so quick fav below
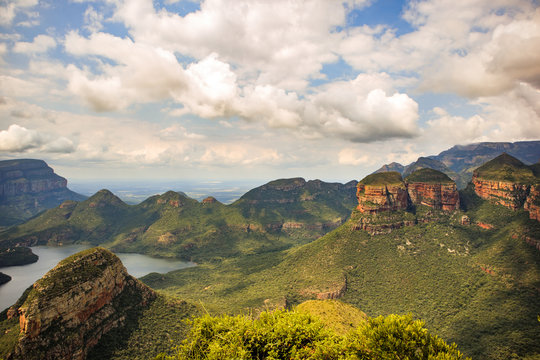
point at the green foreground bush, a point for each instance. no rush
(283, 334)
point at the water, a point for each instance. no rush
(23, 276)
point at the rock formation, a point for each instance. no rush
(385, 199)
(508, 182)
(382, 192)
(434, 189)
(75, 304)
(28, 187)
(532, 204)
(209, 200)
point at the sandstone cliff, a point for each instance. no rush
(382, 192)
(508, 182)
(75, 304)
(434, 189)
(28, 187)
(386, 202)
(532, 205)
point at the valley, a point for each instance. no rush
(466, 262)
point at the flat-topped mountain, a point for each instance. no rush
(28, 187)
(507, 181)
(387, 191)
(387, 202)
(68, 310)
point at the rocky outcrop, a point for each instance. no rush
(508, 182)
(434, 189)
(382, 192)
(28, 187)
(532, 204)
(386, 201)
(503, 193)
(75, 304)
(209, 200)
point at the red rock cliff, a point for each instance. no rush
(509, 194)
(74, 304)
(532, 205)
(435, 195)
(374, 199)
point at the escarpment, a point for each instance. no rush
(28, 187)
(508, 182)
(70, 308)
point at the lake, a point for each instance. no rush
(23, 276)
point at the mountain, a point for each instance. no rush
(507, 181)
(28, 187)
(473, 282)
(460, 161)
(89, 307)
(275, 216)
(68, 310)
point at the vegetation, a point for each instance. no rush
(334, 314)
(507, 168)
(272, 217)
(147, 332)
(4, 278)
(472, 286)
(15, 256)
(293, 334)
(428, 176)
(383, 178)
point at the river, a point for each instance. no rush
(23, 276)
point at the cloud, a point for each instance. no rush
(272, 42)
(349, 156)
(10, 8)
(237, 154)
(93, 20)
(41, 44)
(19, 139)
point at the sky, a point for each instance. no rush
(142, 90)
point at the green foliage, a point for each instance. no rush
(383, 178)
(428, 175)
(296, 335)
(507, 168)
(147, 332)
(335, 315)
(275, 216)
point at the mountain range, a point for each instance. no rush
(460, 161)
(466, 261)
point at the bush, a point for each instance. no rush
(285, 334)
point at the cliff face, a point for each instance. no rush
(374, 199)
(74, 304)
(28, 176)
(30, 186)
(509, 194)
(384, 199)
(435, 195)
(532, 205)
(507, 181)
(380, 193)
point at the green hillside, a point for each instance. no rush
(273, 217)
(507, 168)
(473, 286)
(382, 178)
(428, 175)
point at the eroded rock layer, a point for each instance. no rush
(75, 304)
